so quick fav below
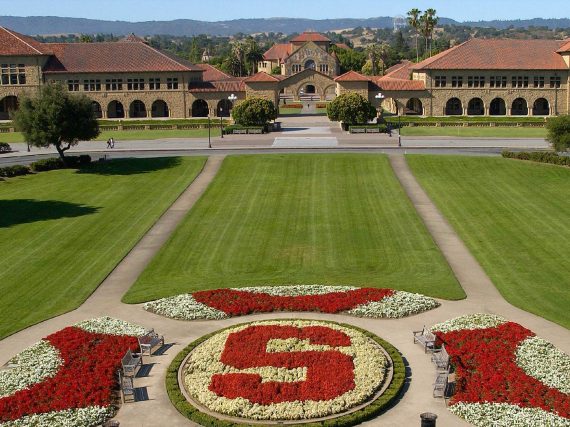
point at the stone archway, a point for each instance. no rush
(137, 110)
(498, 107)
(224, 108)
(160, 109)
(8, 105)
(541, 107)
(454, 107)
(519, 107)
(115, 110)
(310, 65)
(330, 93)
(476, 107)
(414, 107)
(97, 109)
(200, 108)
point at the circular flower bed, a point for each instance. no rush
(506, 376)
(286, 370)
(224, 303)
(68, 378)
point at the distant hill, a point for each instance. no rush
(47, 25)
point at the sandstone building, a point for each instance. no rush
(131, 79)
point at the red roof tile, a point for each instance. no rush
(13, 43)
(565, 47)
(342, 46)
(115, 57)
(393, 84)
(495, 54)
(261, 77)
(403, 70)
(132, 38)
(235, 85)
(352, 76)
(278, 52)
(211, 73)
(310, 36)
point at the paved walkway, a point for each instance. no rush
(482, 297)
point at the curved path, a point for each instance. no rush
(106, 301)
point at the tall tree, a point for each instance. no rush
(414, 22)
(253, 54)
(56, 118)
(373, 53)
(432, 20)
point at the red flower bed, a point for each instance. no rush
(486, 368)
(329, 373)
(238, 303)
(87, 377)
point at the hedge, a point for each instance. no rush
(55, 163)
(5, 147)
(374, 409)
(539, 156)
(16, 170)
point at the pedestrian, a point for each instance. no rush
(389, 130)
(112, 142)
(109, 143)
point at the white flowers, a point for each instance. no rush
(184, 307)
(505, 415)
(543, 361)
(31, 366)
(110, 326)
(399, 305)
(470, 322)
(82, 417)
(296, 290)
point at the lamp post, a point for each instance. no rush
(209, 131)
(380, 97)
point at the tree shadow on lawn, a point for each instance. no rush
(130, 166)
(24, 211)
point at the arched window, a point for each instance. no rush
(310, 65)
(541, 107)
(97, 109)
(520, 107)
(224, 108)
(200, 108)
(476, 107)
(159, 109)
(137, 110)
(8, 105)
(115, 110)
(454, 107)
(498, 107)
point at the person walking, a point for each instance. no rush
(389, 130)
(112, 142)
(109, 145)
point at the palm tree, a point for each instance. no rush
(253, 54)
(414, 22)
(384, 54)
(432, 20)
(425, 29)
(373, 54)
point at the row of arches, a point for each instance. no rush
(200, 108)
(497, 107)
(137, 110)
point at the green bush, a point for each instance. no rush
(351, 109)
(12, 171)
(559, 132)
(374, 409)
(45, 165)
(5, 147)
(538, 156)
(254, 112)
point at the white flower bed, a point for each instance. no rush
(296, 290)
(505, 415)
(83, 417)
(110, 326)
(184, 307)
(470, 322)
(543, 361)
(370, 365)
(399, 305)
(31, 366)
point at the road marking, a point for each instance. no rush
(305, 142)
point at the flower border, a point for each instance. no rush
(375, 408)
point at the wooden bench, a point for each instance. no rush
(255, 131)
(130, 363)
(426, 338)
(440, 385)
(441, 359)
(240, 131)
(150, 340)
(127, 388)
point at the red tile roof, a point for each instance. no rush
(14, 44)
(235, 85)
(495, 54)
(278, 52)
(565, 47)
(212, 74)
(342, 46)
(403, 70)
(113, 57)
(352, 76)
(132, 38)
(261, 77)
(310, 36)
(393, 84)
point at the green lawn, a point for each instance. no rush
(483, 132)
(129, 135)
(514, 216)
(62, 232)
(300, 219)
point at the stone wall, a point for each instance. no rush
(323, 84)
(267, 90)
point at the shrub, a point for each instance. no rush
(47, 164)
(559, 132)
(16, 170)
(5, 147)
(351, 109)
(254, 112)
(539, 156)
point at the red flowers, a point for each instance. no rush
(329, 373)
(87, 377)
(486, 368)
(235, 303)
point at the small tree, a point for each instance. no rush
(351, 109)
(254, 112)
(559, 132)
(55, 117)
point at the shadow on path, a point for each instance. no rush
(24, 211)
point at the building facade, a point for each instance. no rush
(130, 79)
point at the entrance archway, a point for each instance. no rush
(541, 107)
(475, 107)
(330, 93)
(137, 110)
(453, 107)
(414, 107)
(97, 109)
(115, 110)
(310, 65)
(520, 107)
(159, 109)
(200, 108)
(498, 107)
(224, 108)
(8, 105)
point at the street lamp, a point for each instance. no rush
(209, 131)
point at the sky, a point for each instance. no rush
(219, 10)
